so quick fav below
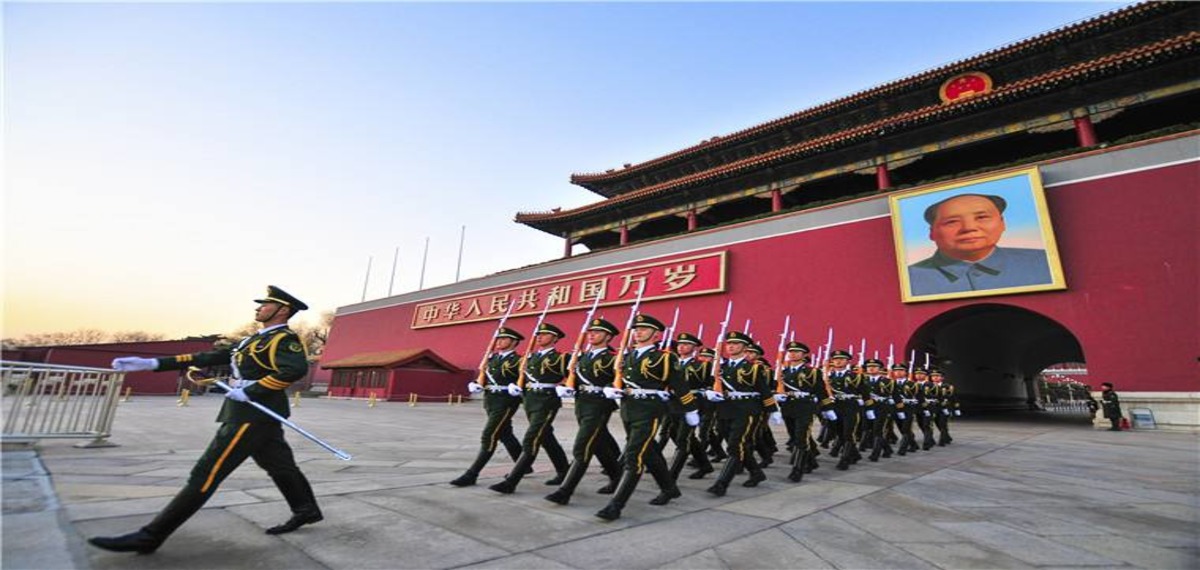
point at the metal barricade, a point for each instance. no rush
(46, 401)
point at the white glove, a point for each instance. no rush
(945, 411)
(775, 418)
(958, 412)
(781, 398)
(613, 393)
(900, 415)
(870, 414)
(664, 396)
(514, 390)
(692, 418)
(474, 387)
(564, 391)
(237, 395)
(714, 396)
(830, 415)
(860, 402)
(926, 412)
(134, 364)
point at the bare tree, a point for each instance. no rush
(135, 336)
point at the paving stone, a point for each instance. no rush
(792, 502)
(1024, 546)
(1135, 552)
(703, 560)
(962, 555)
(517, 562)
(887, 524)
(768, 549)
(845, 546)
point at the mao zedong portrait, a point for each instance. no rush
(967, 229)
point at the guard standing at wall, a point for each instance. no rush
(264, 364)
(1112, 405)
(847, 388)
(800, 392)
(648, 378)
(544, 368)
(594, 371)
(500, 370)
(746, 391)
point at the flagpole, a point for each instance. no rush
(462, 237)
(367, 278)
(395, 258)
(424, 258)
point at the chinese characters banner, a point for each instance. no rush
(681, 277)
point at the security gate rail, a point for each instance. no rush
(44, 401)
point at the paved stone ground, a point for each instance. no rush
(1011, 492)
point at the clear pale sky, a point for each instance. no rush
(164, 162)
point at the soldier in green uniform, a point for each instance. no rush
(905, 396)
(648, 378)
(880, 405)
(541, 371)
(847, 389)
(947, 406)
(707, 434)
(1112, 405)
(800, 393)
(746, 391)
(500, 370)
(931, 406)
(593, 372)
(264, 365)
(764, 438)
(698, 377)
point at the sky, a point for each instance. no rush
(164, 162)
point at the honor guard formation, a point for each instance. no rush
(715, 405)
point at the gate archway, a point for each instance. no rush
(992, 352)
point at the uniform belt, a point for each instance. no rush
(799, 394)
(742, 395)
(910, 400)
(539, 386)
(591, 390)
(496, 388)
(846, 396)
(641, 394)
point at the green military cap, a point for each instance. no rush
(277, 295)
(687, 338)
(797, 346)
(506, 332)
(603, 326)
(839, 354)
(549, 328)
(755, 347)
(920, 370)
(737, 336)
(706, 351)
(935, 371)
(873, 362)
(644, 320)
(900, 366)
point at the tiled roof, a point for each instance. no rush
(985, 59)
(389, 359)
(1052, 80)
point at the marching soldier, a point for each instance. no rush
(764, 438)
(649, 378)
(947, 405)
(500, 371)
(930, 395)
(1112, 405)
(879, 409)
(707, 433)
(543, 369)
(905, 396)
(800, 393)
(594, 371)
(847, 389)
(697, 374)
(746, 391)
(264, 364)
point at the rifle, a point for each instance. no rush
(619, 362)
(891, 355)
(828, 351)
(912, 357)
(579, 344)
(718, 347)
(700, 333)
(779, 355)
(670, 332)
(746, 329)
(862, 351)
(529, 349)
(491, 344)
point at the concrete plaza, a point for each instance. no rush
(1011, 492)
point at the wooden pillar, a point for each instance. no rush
(691, 219)
(624, 234)
(1085, 131)
(881, 177)
(567, 243)
(776, 200)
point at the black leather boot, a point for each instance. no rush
(756, 475)
(666, 483)
(299, 496)
(150, 537)
(629, 481)
(726, 476)
(558, 457)
(141, 542)
(308, 516)
(468, 478)
(563, 494)
(510, 482)
(799, 461)
(877, 448)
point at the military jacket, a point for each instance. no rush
(594, 371)
(696, 380)
(549, 367)
(501, 370)
(906, 390)
(930, 395)
(273, 359)
(653, 370)
(949, 398)
(803, 379)
(745, 377)
(1112, 404)
(849, 386)
(882, 391)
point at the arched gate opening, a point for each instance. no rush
(992, 353)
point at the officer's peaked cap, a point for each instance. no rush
(644, 320)
(687, 338)
(506, 332)
(839, 354)
(277, 295)
(797, 346)
(738, 336)
(602, 326)
(549, 328)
